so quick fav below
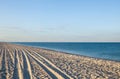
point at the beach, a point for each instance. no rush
(25, 62)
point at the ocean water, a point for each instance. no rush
(110, 51)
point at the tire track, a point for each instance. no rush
(27, 66)
(10, 51)
(38, 70)
(6, 63)
(1, 56)
(1, 66)
(51, 65)
(52, 73)
(10, 64)
(3, 69)
(17, 70)
(17, 59)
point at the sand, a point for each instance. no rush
(24, 62)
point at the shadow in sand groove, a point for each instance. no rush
(26, 73)
(3, 65)
(15, 73)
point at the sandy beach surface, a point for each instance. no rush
(24, 62)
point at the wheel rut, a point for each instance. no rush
(27, 66)
(17, 62)
(48, 65)
(17, 70)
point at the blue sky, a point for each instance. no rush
(60, 20)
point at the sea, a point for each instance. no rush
(104, 50)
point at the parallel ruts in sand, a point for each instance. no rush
(18, 62)
(17, 70)
(51, 67)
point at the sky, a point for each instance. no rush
(60, 20)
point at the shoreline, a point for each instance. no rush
(66, 52)
(45, 63)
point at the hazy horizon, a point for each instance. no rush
(60, 21)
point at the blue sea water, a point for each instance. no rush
(110, 51)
